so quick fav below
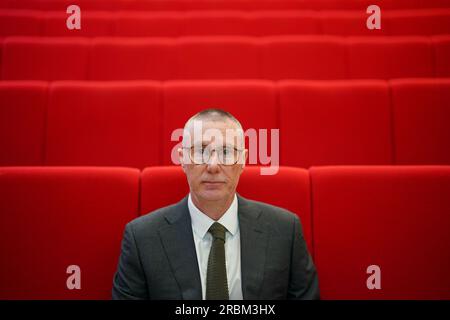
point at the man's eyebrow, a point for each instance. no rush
(204, 144)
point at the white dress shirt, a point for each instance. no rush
(203, 240)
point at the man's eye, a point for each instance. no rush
(227, 151)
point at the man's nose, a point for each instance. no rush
(213, 162)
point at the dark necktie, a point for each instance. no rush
(216, 276)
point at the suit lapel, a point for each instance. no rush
(254, 243)
(178, 242)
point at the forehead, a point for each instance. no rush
(224, 131)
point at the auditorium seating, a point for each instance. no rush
(22, 123)
(44, 59)
(218, 22)
(134, 123)
(421, 112)
(335, 123)
(91, 120)
(392, 217)
(169, 5)
(304, 58)
(53, 218)
(103, 124)
(190, 58)
(388, 58)
(442, 52)
(139, 59)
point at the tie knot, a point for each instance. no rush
(217, 231)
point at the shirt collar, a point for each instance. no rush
(201, 222)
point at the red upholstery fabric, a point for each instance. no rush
(132, 59)
(334, 122)
(182, 99)
(163, 24)
(216, 23)
(303, 58)
(224, 22)
(393, 217)
(442, 54)
(96, 24)
(71, 216)
(385, 58)
(351, 23)
(421, 113)
(224, 57)
(419, 22)
(44, 59)
(212, 58)
(283, 23)
(22, 122)
(19, 23)
(155, 5)
(162, 186)
(104, 124)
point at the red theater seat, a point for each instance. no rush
(334, 122)
(217, 58)
(385, 58)
(421, 121)
(22, 122)
(273, 23)
(162, 186)
(107, 124)
(349, 23)
(162, 5)
(182, 99)
(19, 23)
(93, 24)
(133, 59)
(71, 216)
(419, 22)
(442, 54)
(49, 59)
(154, 24)
(390, 216)
(303, 58)
(210, 23)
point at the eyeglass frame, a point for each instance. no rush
(214, 149)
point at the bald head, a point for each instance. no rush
(213, 122)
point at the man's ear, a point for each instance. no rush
(244, 156)
(181, 158)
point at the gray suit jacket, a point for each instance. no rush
(159, 261)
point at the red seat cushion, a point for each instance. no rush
(441, 53)
(27, 58)
(107, 124)
(217, 58)
(421, 115)
(386, 58)
(71, 216)
(303, 58)
(133, 59)
(393, 217)
(20, 23)
(23, 107)
(335, 122)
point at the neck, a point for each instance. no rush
(214, 209)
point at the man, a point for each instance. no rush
(214, 244)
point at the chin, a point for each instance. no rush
(213, 195)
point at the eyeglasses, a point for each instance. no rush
(202, 154)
